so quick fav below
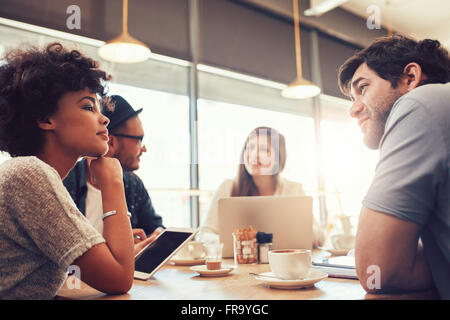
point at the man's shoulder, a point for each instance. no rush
(429, 90)
(131, 179)
(430, 96)
(76, 176)
(425, 109)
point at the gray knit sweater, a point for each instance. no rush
(41, 230)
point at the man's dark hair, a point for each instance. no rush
(388, 56)
(32, 81)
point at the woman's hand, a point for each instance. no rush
(106, 171)
(142, 243)
(139, 235)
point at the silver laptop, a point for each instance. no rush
(288, 218)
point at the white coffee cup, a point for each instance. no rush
(191, 251)
(343, 241)
(290, 264)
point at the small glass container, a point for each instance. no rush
(245, 249)
(264, 246)
(213, 256)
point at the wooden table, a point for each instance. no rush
(180, 283)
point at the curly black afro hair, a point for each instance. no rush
(32, 81)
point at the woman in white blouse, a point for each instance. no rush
(263, 158)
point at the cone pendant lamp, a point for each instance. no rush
(124, 48)
(300, 88)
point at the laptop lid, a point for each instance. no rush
(288, 218)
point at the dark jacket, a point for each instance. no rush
(143, 215)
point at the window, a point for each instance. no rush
(348, 165)
(164, 168)
(222, 130)
(230, 105)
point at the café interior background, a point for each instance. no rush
(216, 72)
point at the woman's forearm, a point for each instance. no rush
(117, 228)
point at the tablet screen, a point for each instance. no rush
(159, 250)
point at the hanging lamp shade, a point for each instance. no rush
(124, 48)
(300, 88)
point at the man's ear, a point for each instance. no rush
(113, 144)
(413, 75)
(46, 124)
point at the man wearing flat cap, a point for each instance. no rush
(125, 144)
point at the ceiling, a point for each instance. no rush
(417, 18)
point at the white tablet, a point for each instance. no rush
(152, 257)
(338, 267)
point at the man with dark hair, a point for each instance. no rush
(401, 99)
(125, 144)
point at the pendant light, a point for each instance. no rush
(124, 48)
(300, 88)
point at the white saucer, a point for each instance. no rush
(313, 277)
(188, 262)
(337, 252)
(211, 273)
